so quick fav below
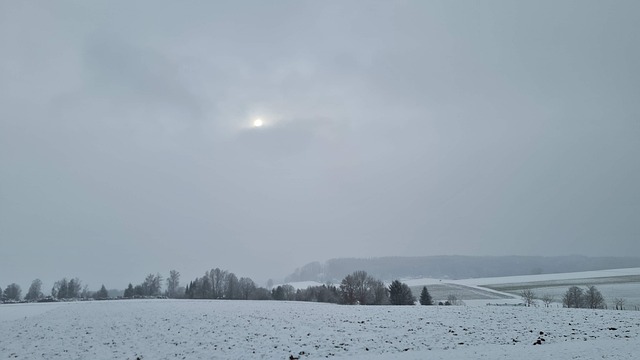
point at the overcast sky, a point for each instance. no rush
(390, 128)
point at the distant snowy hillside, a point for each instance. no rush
(456, 267)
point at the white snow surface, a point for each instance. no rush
(478, 282)
(19, 311)
(527, 278)
(214, 329)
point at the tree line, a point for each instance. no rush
(575, 297)
(356, 288)
(456, 267)
(63, 289)
(222, 284)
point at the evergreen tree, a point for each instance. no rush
(400, 294)
(193, 289)
(13, 292)
(205, 288)
(128, 292)
(73, 288)
(277, 293)
(425, 297)
(102, 293)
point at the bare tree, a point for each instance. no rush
(593, 298)
(232, 290)
(246, 287)
(260, 293)
(205, 286)
(380, 293)
(360, 281)
(152, 285)
(35, 291)
(528, 296)
(218, 282)
(173, 282)
(348, 292)
(157, 284)
(619, 303)
(60, 289)
(547, 300)
(452, 300)
(85, 292)
(573, 298)
(289, 292)
(360, 288)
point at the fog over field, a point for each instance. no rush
(257, 137)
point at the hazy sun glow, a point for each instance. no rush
(258, 123)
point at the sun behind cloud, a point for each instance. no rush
(258, 123)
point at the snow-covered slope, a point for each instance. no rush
(553, 277)
(528, 278)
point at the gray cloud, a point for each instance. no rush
(404, 128)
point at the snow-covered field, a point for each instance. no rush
(183, 329)
(614, 283)
(20, 311)
(610, 273)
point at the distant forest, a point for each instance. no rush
(456, 267)
(356, 288)
(368, 274)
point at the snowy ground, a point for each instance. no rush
(21, 311)
(183, 329)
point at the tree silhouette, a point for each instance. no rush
(425, 297)
(400, 294)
